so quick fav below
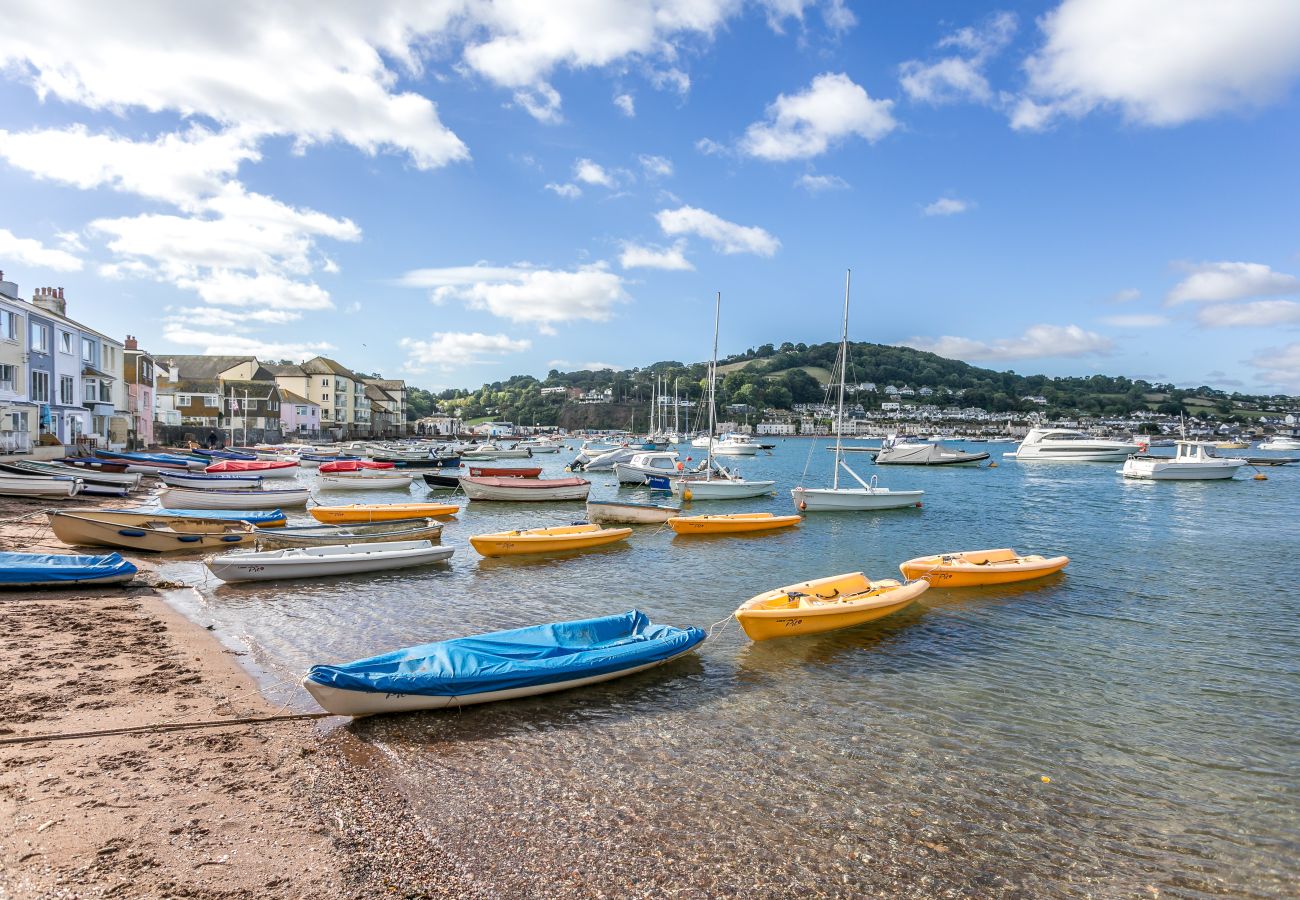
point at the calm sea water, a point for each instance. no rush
(1155, 683)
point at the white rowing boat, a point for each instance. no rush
(374, 480)
(339, 559)
(186, 498)
(40, 486)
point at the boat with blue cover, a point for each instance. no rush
(265, 518)
(502, 665)
(153, 462)
(29, 570)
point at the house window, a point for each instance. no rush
(183, 399)
(8, 378)
(89, 389)
(300, 410)
(110, 359)
(87, 350)
(105, 392)
(324, 398)
(324, 382)
(41, 387)
(67, 390)
(9, 326)
(41, 342)
(65, 341)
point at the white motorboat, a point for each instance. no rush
(735, 445)
(187, 498)
(339, 559)
(211, 482)
(492, 451)
(606, 461)
(1281, 442)
(51, 486)
(894, 453)
(1068, 445)
(1192, 461)
(365, 480)
(869, 495)
(618, 513)
(635, 470)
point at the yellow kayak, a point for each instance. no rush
(381, 512)
(734, 523)
(826, 604)
(975, 567)
(546, 540)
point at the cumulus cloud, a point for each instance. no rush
(961, 76)
(833, 108)
(710, 147)
(727, 237)
(1220, 281)
(1160, 62)
(541, 297)
(1038, 341)
(542, 102)
(34, 253)
(588, 172)
(449, 350)
(635, 256)
(946, 206)
(178, 332)
(656, 166)
(1256, 314)
(1137, 320)
(816, 184)
(626, 104)
(567, 191)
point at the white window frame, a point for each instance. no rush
(43, 344)
(65, 342)
(9, 383)
(71, 384)
(87, 349)
(8, 325)
(36, 376)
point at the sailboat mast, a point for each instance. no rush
(713, 380)
(844, 364)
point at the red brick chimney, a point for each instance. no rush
(131, 343)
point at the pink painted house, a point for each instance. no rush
(298, 415)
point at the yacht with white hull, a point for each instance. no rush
(1192, 461)
(1068, 445)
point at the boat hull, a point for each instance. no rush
(853, 499)
(387, 512)
(1156, 470)
(328, 535)
(965, 569)
(52, 570)
(210, 482)
(49, 487)
(302, 564)
(606, 512)
(184, 498)
(88, 531)
(878, 599)
(721, 489)
(735, 524)
(535, 490)
(546, 540)
(359, 482)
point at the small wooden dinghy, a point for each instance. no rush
(265, 468)
(502, 665)
(824, 604)
(504, 472)
(350, 465)
(325, 535)
(616, 512)
(971, 568)
(337, 559)
(547, 540)
(381, 512)
(149, 463)
(188, 498)
(525, 489)
(31, 570)
(93, 481)
(181, 519)
(438, 480)
(363, 481)
(733, 523)
(211, 482)
(53, 487)
(95, 529)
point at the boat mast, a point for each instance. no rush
(844, 364)
(677, 429)
(713, 380)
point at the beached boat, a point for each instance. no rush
(363, 481)
(326, 535)
(502, 665)
(315, 562)
(824, 604)
(381, 512)
(24, 469)
(970, 568)
(150, 463)
(198, 482)
(353, 465)
(505, 472)
(126, 481)
(618, 512)
(265, 468)
(50, 487)
(92, 529)
(732, 523)
(547, 540)
(525, 489)
(54, 570)
(94, 464)
(187, 519)
(187, 498)
(1192, 461)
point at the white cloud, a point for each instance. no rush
(674, 79)
(635, 256)
(588, 172)
(585, 366)
(216, 317)
(1256, 314)
(34, 253)
(177, 168)
(311, 72)
(960, 77)
(1038, 341)
(1160, 62)
(656, 166)
(804, 125)
(567, 191)
(222, 287)
(449, 350)
(177, 332)
(1137, 320)
(946, 206)
(1219, 281)
(542, 102)
(626, 104)
(710, 147)
(1127, 295)
(727, 237)
(542, 297)
(815, 184)
(1279, 366)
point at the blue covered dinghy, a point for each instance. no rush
(263, 518)
(499, 666)
(28, 570)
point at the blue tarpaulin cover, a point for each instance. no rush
(256, 516)
(57, 568)
(504, 660)
(146, 457)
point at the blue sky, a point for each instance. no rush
(455, 192)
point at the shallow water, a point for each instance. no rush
(1155, 683)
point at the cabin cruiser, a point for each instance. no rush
(635, 470)
(1066, 444)
(1192, 461)
(1281, 442)
(897, 453)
